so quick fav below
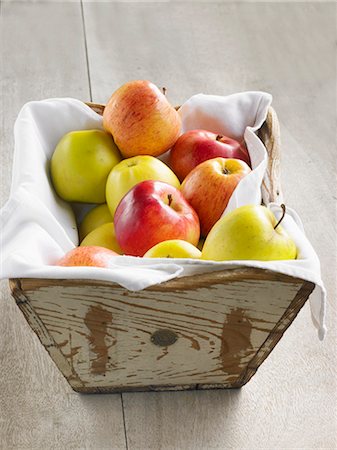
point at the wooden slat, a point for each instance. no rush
(203, 280)
(42, 56)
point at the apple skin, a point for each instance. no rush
(174, 248)
(248, 233)
(132, 171)
(93, 219)
(103, 236)
(141, 120)
(81, 163)
(196, 146)
(87, 256)
(152, 212)
(209, 187)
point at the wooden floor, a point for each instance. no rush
(60, 49)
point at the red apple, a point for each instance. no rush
(209, 187)
(87, 256)
(197, 146)
(141, 120)
(152, 212)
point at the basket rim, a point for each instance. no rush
(188, 282)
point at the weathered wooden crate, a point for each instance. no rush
(209, 331)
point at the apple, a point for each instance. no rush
(209, 187)
(174, 248)
(93, 219)
(87, 256)
(152, 212)
(131, 171)
(81, 163)
(249, 232)
(141, 120)
(197, 146)
(103, 236)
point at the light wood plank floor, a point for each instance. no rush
(87, 50)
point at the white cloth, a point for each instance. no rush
(37, 228)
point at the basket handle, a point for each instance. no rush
(269, 133)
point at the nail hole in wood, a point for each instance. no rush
(164, 338)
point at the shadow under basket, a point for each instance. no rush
(198, 332)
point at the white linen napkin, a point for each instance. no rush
(37, 227)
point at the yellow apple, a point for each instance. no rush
(249, 232)
(81, 163)
(103, 236)
(94, 218)
(132, 171)
(175, 248)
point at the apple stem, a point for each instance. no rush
(219, 136)
(164, 90)
(169, 197)
(283, 206)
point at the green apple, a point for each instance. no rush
(132, 171)
(174, 248)
(249, 232)
(103, 236)
(94, 218)
(81, 163)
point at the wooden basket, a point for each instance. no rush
(209, 331)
